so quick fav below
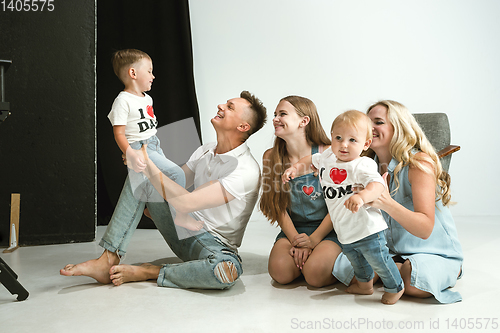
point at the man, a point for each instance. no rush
(226, 179)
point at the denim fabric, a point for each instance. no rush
(170, 169)
(441, 252)
(200, 250)
(436, 261)
(371, 254)
(307, 201)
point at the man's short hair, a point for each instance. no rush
(124, 59)
(259, 112)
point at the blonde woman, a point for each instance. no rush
(306, 245)
(421, 232)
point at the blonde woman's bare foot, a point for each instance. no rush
(120, 274)
(97, 269)
(392, 298)
(188, 222)
(361, 288)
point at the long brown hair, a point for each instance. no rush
(275, 197)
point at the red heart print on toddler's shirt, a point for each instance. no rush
(150, 111)
(338, 175)
(308, 189)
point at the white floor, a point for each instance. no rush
(254, 304)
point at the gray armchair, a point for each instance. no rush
(437, 129)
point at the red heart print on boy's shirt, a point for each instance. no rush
(338, 175)
(307, 189)
(150, 111)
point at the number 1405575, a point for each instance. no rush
(27, 5)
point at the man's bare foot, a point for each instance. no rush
(120, 274)
(361, 288)
(392, 298)
(97, 269)
(188, 222)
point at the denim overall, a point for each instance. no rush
(308, 208)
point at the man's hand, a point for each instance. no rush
(135, 160)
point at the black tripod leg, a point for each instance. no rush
(9, 279)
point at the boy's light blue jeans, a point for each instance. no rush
(372, 254)
(140, 182)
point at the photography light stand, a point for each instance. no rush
(7, 276)
(4, 106)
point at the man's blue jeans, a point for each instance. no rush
(208, 263)
(372, 254)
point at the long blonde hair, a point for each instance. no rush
(408, 135)
(275, 197)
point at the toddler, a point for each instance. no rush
(360, 228)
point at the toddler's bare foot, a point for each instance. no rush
(392, 298)
(361, 288)
(97, 269)
(188, 222)
(120, 274)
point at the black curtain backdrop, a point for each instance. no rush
(47, 145)
(161, 29)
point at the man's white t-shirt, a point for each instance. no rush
(136, 113)
(239, 174)
(337, 180)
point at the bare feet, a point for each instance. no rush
(97, 269)
(361, 288)
(392, 298)
(120, 274)
(188, 222)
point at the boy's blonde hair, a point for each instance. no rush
(124, 59)
(356, 119)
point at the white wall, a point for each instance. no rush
(432, 56)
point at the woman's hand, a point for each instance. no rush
(300, 255)
(385, 199)
(303, 240)
(302, 247)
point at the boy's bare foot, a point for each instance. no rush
(120, 274)
(188, 222)
(392, 298)
(361, 288)
(97, 269)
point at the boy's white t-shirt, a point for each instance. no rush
(337, 180)
(136, 113)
